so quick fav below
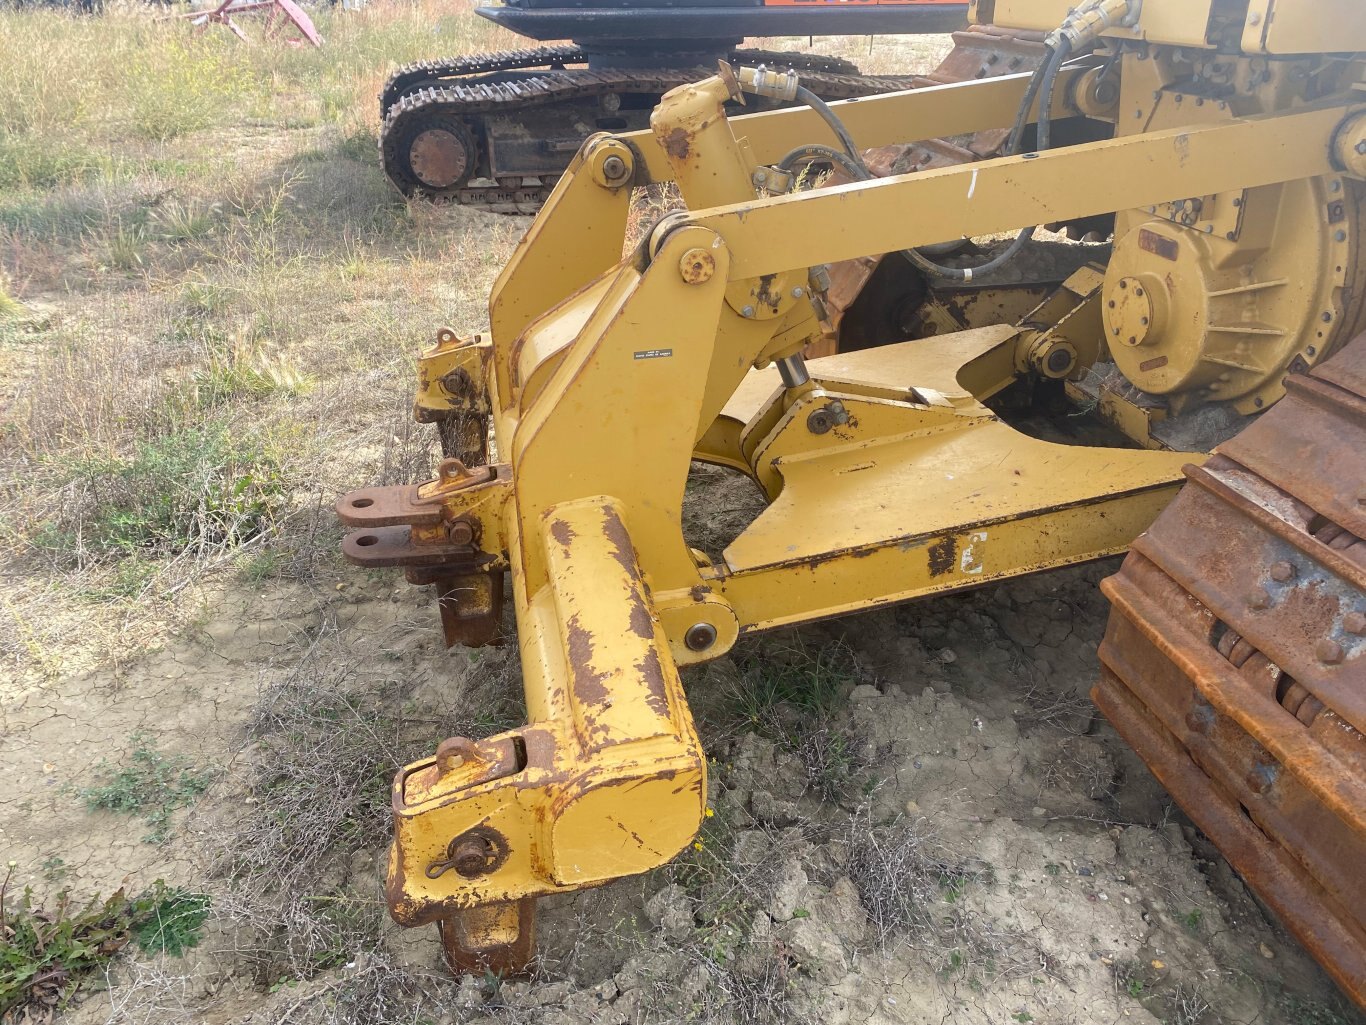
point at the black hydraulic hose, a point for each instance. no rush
(836, 125)
(1016, 139)
(1042, 86)
(1052, 66)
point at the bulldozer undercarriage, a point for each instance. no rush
(1220, 316)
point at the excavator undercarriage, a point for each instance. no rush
(1222, 160)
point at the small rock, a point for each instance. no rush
(843, 909)
(605, 991)
(1267, 952)
(816, 949)
(864, 692)
(947, 656)
(1038, 812)
(767, 808)
(1083, 871)
(787, 890)
(470, 993)
(550, 994)
(671, 910)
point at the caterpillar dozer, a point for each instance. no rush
(1219, 337)
(497, 129)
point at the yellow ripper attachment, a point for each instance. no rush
(888, 476)
(610, 778)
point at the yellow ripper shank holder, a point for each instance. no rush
(887, 476)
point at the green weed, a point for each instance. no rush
(10, 307)
(175, 923)
(126, 248)
(194, 489)
(151, 787)
(184, 221)
(809, 683)
(29, 163)
(237, 368)
(186, 85)
(128, 579)
(54, 868)
(47, 952)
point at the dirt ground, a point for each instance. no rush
(952, 835)
(916, 816)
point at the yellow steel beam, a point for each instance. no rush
(577, 236)
(933, 112)
(778, 234)
(1305, 26)
(916, 564)
(920, 494)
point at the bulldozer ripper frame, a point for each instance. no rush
(888, 476)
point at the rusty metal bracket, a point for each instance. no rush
(447, 533)
(451, 376)
(607, 779)
(452, 393)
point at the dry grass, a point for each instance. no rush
(197, 244)
(319, 753)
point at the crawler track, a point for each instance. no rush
(1235, 660)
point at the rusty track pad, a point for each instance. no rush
(1235, 658)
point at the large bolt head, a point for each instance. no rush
(1282, 572)
(819, 422)
(460, 532)
(614, 168)
(697, 266)
(471, 857)
(1330, 652)
(700, 637)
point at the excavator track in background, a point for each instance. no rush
(1234, 659)
(412, 77)
(514, 119)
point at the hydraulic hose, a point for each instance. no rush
(1042, 83)
(1051, 66)
(836, 125)
(1042, 89)
(1042, 86)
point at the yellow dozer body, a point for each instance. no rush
(1229, 146)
